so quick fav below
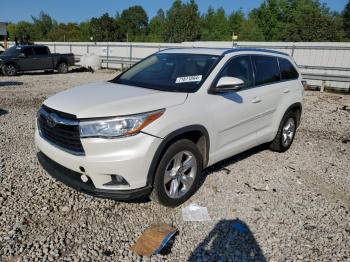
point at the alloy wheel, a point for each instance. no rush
(288, 132)
(179, 174)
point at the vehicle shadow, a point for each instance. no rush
(3, 112)
(221, 166)
(10, 83)
(230, 240)
(51, 72)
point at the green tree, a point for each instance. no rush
(104, 29)
(23, 31)
(84, 28)
(66, 32)
(133, 22)
(308, 20)
(214, 26)
(250, 31)
(235, 21)
(270, 18)
(43, 24)
(346, 19)
(182, 22)
(156, 27)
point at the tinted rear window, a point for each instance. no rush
(266, 70)
(288, 71)
(40, 50)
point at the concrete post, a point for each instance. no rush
(323, 85)
(130, 53)
(107, 54)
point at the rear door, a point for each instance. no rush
(43, 59)
(267, 95)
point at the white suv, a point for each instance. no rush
(154, 128)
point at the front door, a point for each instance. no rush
(26, 60)
(236, 122)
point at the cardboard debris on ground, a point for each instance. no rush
(153, 240)
(195, 212)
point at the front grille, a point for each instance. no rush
(59, 130)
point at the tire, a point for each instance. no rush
(184, 178)
(62, 68)
(286, 132)
(9, 70)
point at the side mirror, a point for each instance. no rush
(228, 83)
(21, 55)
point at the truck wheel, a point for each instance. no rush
(286, 133)
(10, 70)
(178, 174)
(62, 68)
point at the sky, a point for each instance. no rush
(81, 10)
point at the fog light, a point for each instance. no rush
(117, 180)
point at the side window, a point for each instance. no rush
(40, 50)
(239, 67)
(28, 51)
(288, 71)
(266, 70)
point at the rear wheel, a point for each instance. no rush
(286, 133)
(177, 174)
(62, 68)
(10, 70)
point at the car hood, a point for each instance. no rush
(105, 99)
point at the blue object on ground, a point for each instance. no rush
(239, 227)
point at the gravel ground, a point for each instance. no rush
(296, 205)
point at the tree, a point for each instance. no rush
(182, 22)
(133, 22)
(66, 32)
(156, 27)
(250, 31)
(23, 31)
(214, 26)
(346, 19)
(104, 29)
(43, 24)
(84, 28)
(235, 22)
(308, 20)
(270, 18)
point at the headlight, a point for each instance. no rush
(118, 126)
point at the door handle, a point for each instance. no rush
(256, 100)
(286, 91)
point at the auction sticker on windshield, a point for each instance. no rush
(187, 79)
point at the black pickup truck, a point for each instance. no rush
(23, 58)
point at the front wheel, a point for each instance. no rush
(10, 70)
(62, 68)
(286, 133)
(178, 174)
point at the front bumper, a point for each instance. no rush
(129, 157)
(72, 179)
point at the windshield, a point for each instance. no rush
(12, 51)
(170, 72)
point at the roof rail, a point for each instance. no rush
(240, 49)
